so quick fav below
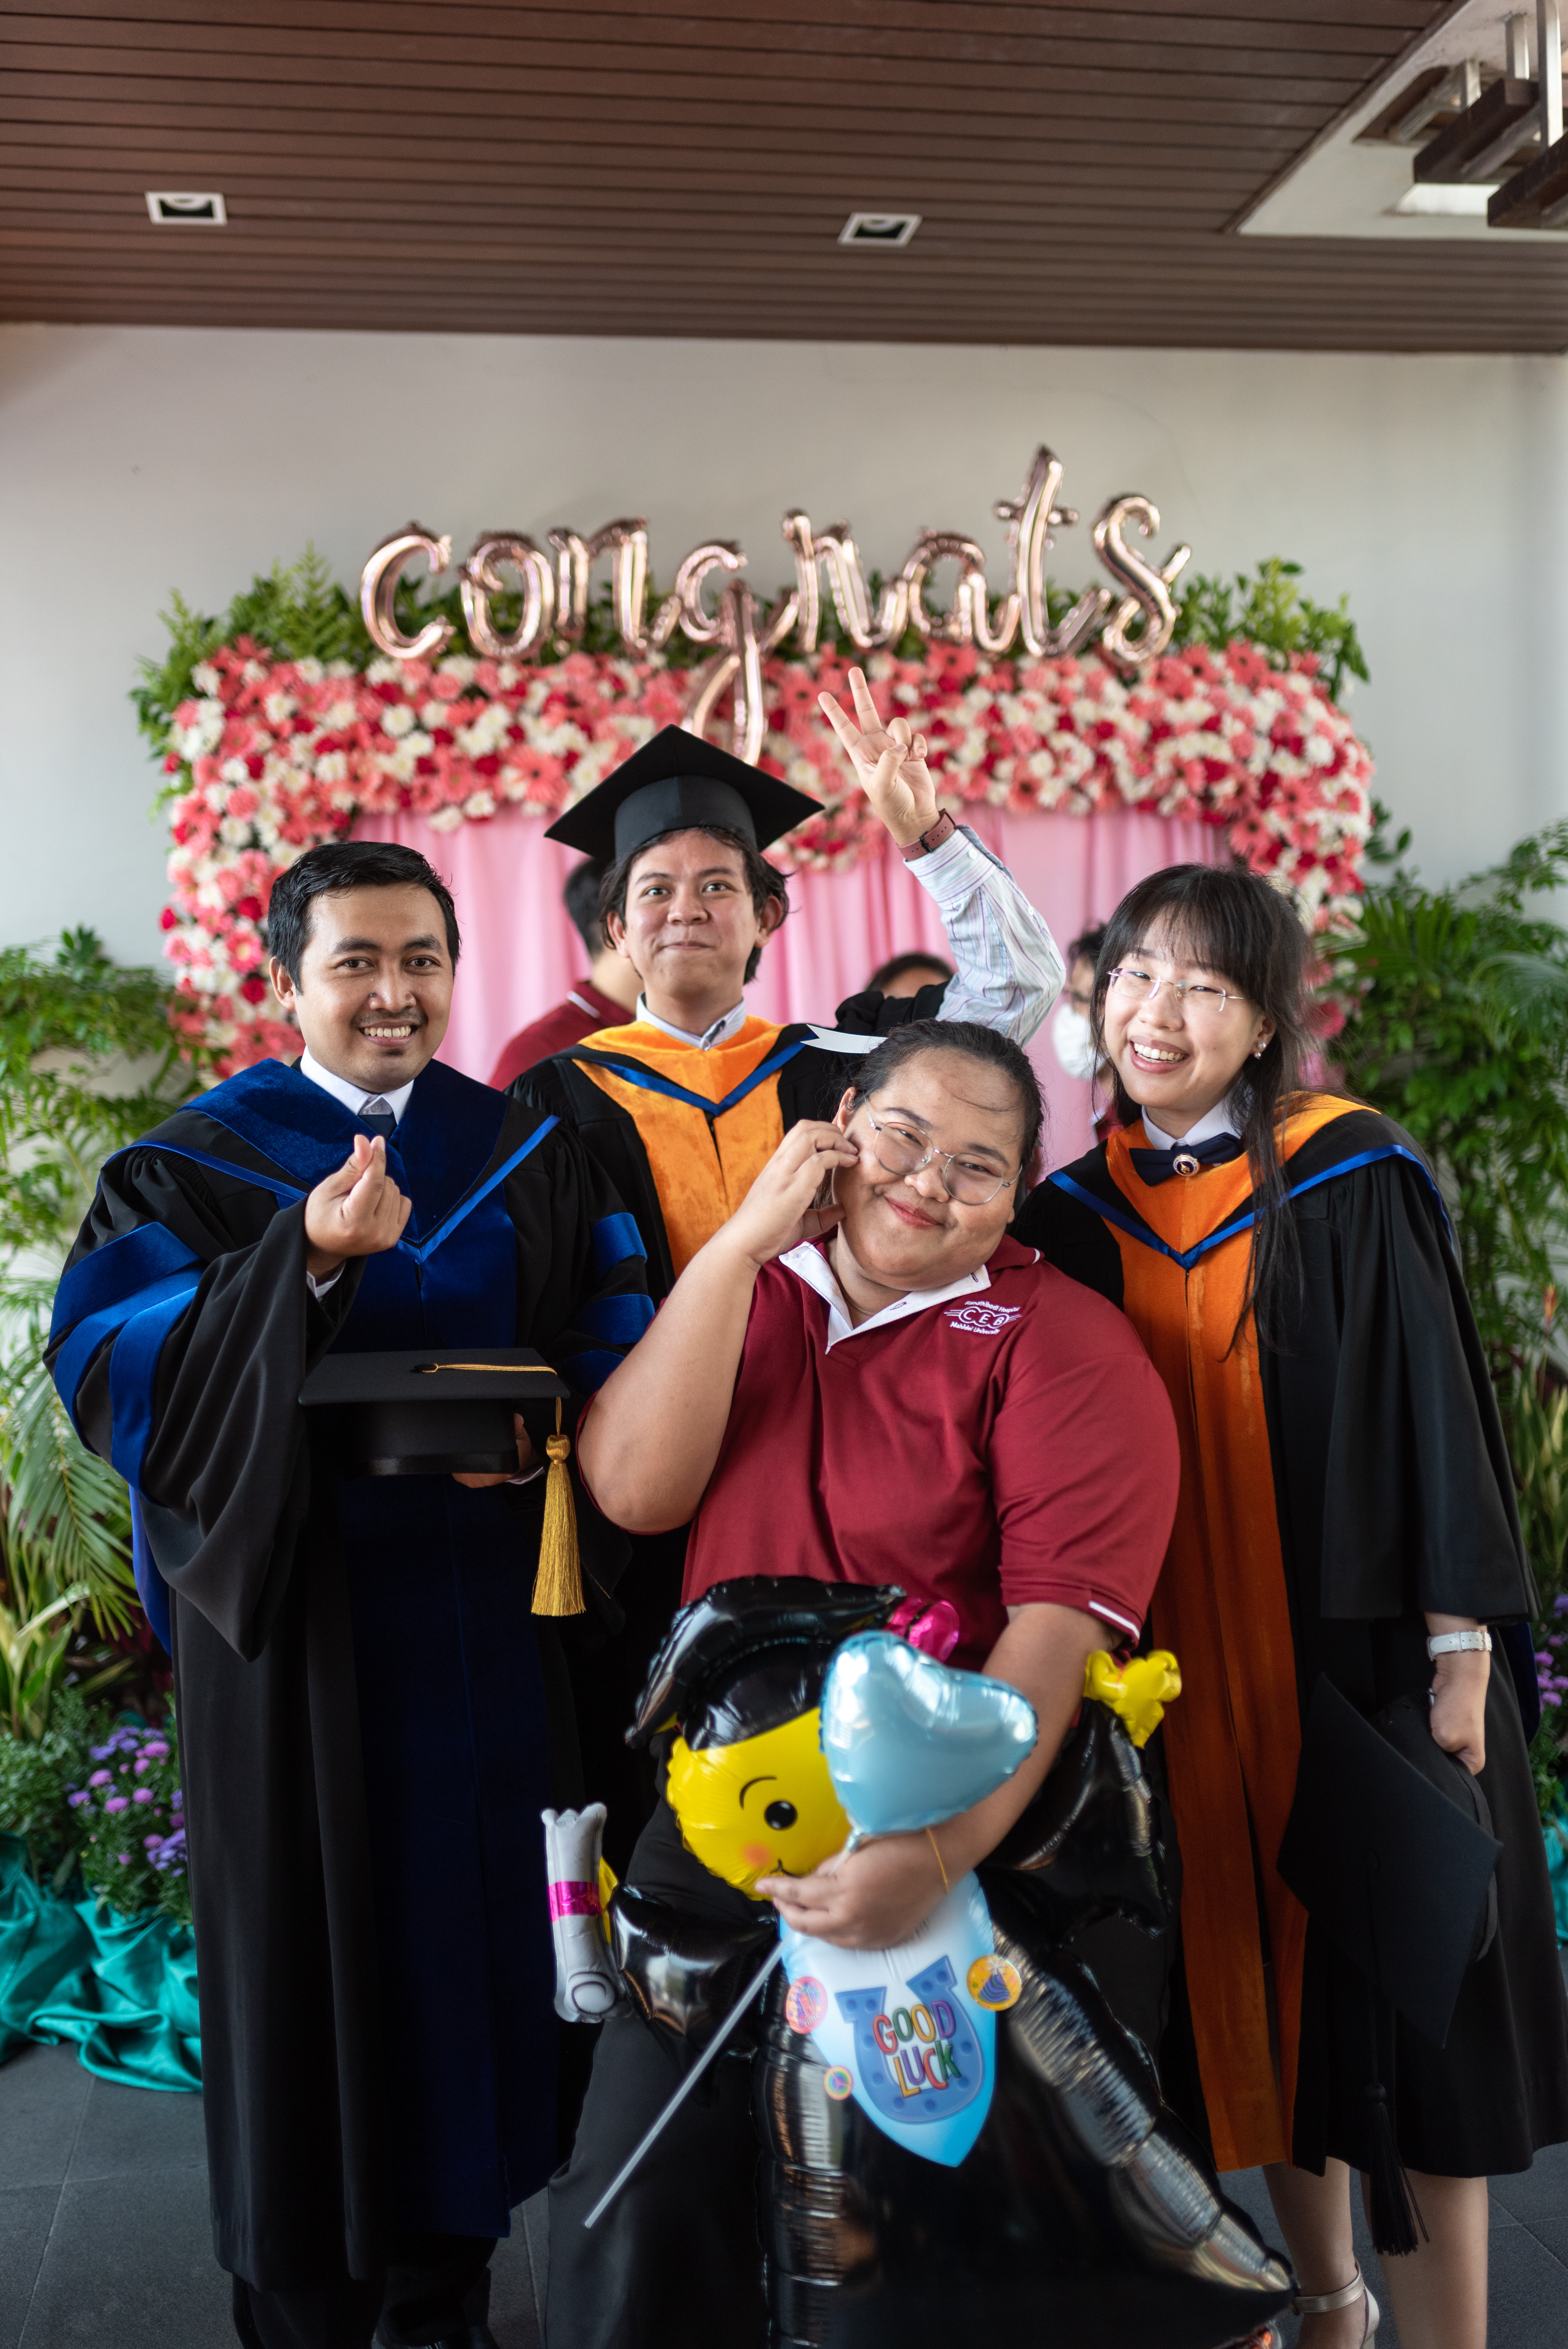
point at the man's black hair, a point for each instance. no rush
(580, 899)
(342, 864)
(1086, 948)
(900, 965)
(768, 886)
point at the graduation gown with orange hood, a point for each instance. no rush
(1335, 1488)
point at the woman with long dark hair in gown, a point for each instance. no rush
(1346, 1499)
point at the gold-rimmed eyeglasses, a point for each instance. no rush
(1128, 984)
(973, 1181)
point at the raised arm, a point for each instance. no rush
(1008, 970)
(650, 1443)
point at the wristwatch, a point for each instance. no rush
(943, 829)
(1457, 1643)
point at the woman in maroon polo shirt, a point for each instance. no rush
(861, 1378)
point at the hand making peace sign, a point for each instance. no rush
(889, 762)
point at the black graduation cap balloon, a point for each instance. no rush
(678, 783)
(426, 1413)
(751, 1653)
(1080, 2213)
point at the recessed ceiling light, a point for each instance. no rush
(203, 212)
(879, 228)
(1448, 200)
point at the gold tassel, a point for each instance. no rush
(558, 1585)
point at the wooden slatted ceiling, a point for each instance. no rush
(685, 167)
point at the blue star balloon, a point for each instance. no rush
(910, 1742)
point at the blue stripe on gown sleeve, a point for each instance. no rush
(620, 1320)
(131, 1261)
(151, 1587)
(133, 1371)
(615, 1238)
(89, 1334)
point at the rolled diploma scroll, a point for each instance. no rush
(586, 1985)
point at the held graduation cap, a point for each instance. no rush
(427, 1413)
(678, 782)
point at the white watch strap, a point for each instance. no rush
(1455, 1643)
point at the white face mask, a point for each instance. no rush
(1074, 1040)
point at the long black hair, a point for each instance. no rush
(1231, 920)
(975, 1043)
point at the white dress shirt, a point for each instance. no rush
(354, 1096)
(1219, 1119)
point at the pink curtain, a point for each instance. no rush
(520, 953)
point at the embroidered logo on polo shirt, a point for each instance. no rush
(986, 1320)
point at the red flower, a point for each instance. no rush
(255, 989)
(168, 919)
(254, 763)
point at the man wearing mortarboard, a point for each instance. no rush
(370, 1717)
(682, 1107)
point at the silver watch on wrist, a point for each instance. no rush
(1458, 1643)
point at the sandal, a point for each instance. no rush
(1324, 2304)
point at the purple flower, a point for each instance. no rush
(125, 1860)
(101, 1778)
(101, 1752)
(1560, 1605)
(79, 1798)
(152, 1843)
(144, 1795)
(155, 1750)
(117, 1803)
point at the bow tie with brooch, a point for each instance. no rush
(1186, 1157)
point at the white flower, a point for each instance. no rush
(205, 677)
(445, 819)
(310, 668)
(397, 720)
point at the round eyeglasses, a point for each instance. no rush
(1130, 985)
(973, 1181)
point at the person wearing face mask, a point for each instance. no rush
(1346, 1534)
(859, 1378)
(1072, 1033)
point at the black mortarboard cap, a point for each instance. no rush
(750, 1654)
(426, 1414)
(678, 783)
(1391, 1856)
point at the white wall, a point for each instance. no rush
(137, 459)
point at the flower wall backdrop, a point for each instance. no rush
(267, 756)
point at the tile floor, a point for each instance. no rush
(105, 2241)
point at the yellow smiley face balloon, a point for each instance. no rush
(764, 1807)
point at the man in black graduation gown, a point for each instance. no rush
(369, 1713)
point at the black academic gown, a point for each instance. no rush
(369, 1713)
(1394, 1499)
(811, 1084)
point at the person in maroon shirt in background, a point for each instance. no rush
(606, 997)
(861, 1378)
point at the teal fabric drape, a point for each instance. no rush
(122, 1988)
(1556, 1830)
